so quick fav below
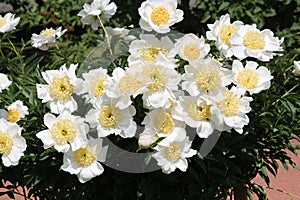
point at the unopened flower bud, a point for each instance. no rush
(146, 139)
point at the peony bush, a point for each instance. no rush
(167, 100)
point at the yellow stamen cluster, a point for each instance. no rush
(254, 40)
(84, 157)
(230, 105)
(173, 152)
(164, 122)
(6, 143)
(191, 51)
(2, 21)
(208, 78)
(13, 115)
(198, 113)
(128, 83)
(158, 76)
(107, 118)
(61, 88)
(160, 15)
(226, 33)
(248, 78)
(50, 32)
(64, 131)
(99, 88)
(150, 53)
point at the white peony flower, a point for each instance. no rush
(195, 112)
(230, 109)
(173, 151)
(221, 32)
(47, 38)
(192, 48)
(64, 132)
(61, 84)
(159, 15)
(296, 68)
(102, 8)
(248, 41)
(125, 84)
(251, 78)
(206, 76)
(147, 48)
(4, 82)
(8, 22)
(95, 82)
(84, 162)
(15, 112)
(12, 144)
(110, 119)
(162, 121)
(162, 79)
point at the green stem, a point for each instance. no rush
(288, 92)
(106, 35)
(3, 100)
(1, 48)
(14, 48)
(2, 53)
(284, 95)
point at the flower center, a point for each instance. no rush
(199, 113)
(2, 21)
(230, 104)
(150, 53)
(208, 78)
(6, 143)
(108, 118)
(84, 157)
(164, 122)
(99, 88)
(254, 40)
(226, 32)
(248, 78)
(158, 75)
(61, 88)
(13, 115)
(160, 15)
(50, 32)
(173, 152)
(63, 131)
(128, 83)
(191, 51)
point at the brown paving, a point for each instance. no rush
(287, 181)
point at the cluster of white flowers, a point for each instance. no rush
(243, 41)
(66, 132)
(12, 144)
(207, 96)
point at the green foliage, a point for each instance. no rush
(235, 160)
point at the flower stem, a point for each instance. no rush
(14, 48)
(284, 95)
(3, 100)
(106, 35)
